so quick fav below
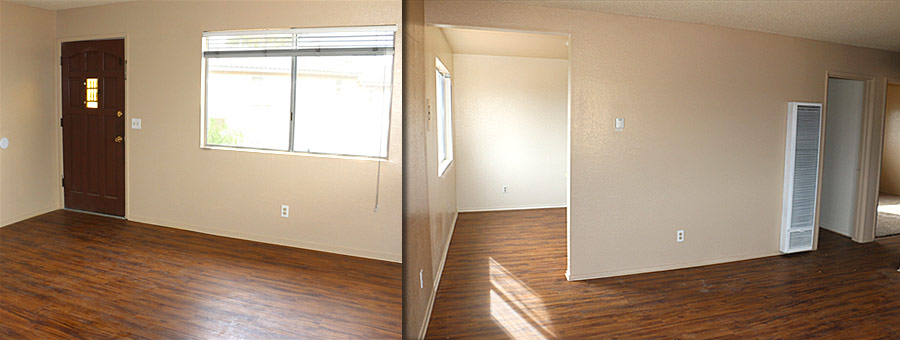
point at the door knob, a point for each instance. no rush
(119, 139)
(119, 114)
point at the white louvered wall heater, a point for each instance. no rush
(801, 177)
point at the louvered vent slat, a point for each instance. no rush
(801, 177)
(801, 238)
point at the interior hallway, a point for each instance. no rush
(67, 275)
(504, 279)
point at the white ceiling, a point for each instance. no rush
(64, 4)
(866, 23)
(505, 43)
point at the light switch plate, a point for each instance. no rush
(136, 123)
(620, 124)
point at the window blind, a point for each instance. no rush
(345, 41)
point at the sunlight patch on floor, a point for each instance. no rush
(515, 307)
(893, 209)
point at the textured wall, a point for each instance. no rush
(511, 124)
(417, 241)
(429, 199)
(441, 189)
(29, 181)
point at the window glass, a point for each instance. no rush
(343, 105)
(316, 90)
(444, 117)
(249, 102)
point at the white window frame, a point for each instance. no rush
(294, 52)
(443, 98)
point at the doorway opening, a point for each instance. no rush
(887, 221)
(93, 125)
(845, 109)
(510, 118)
(498, 128)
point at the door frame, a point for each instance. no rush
(861, 231)
(429, 71)
(59, 114)
(872, 211)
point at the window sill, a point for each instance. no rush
(289, 153)
(442, 167)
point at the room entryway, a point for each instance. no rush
(93, 122)
(510, 118)
(509, 148)
(845, 104)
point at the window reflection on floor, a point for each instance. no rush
(515, 307)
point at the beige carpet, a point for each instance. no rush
(888, 215)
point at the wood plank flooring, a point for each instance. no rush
(69, 275)
(504, 278)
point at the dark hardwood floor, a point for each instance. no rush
(504, 278)
(68, 275)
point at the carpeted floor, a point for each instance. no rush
(888, 215)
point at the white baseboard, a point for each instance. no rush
(437, 279)
(600, 275)
(396, 258)
(529, 207)
(26, 216)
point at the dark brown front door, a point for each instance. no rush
(93, 97)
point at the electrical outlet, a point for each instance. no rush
(136, 123)
(505, 189)
(284, 211)
(679, 236)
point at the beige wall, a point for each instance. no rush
(2, 220)
(703, 146)
(429, 200)
(171, 181)
(890, 165)
(417, 242)
(441, 189)
(29, 181)
(429, 213)
(511, 118)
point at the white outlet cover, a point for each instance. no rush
(136, 123)
(4, 143)
(620, 124)
(285, 211)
